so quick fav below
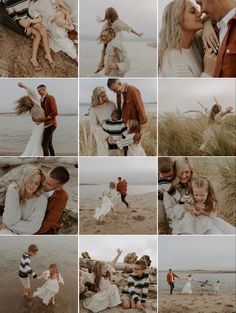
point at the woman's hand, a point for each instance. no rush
(140, 35)
(229, 109)
(209, 37)
(209, 62)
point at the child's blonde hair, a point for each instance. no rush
(211, 201)
(97, 267)
(134, 128)
(109, 33)
(53, 269)
(111, 15)
(216, 108)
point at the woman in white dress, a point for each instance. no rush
(106, 205)
(188, 287)
(53, 282)
(25, 204)
(180, 45)
(31, 104)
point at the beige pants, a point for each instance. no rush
(25, 282)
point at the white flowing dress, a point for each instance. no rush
(187, 287)
(106, 206)
(49, 289)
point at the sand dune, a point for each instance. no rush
(140, 218)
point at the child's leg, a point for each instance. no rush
(113, 210)
(43, 32)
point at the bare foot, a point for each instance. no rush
(35, 64)
(50, 61)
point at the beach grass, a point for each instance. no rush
(180, 135)
(88, 145)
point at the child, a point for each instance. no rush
(132, 139)
(26, 270)
(209, 135)
(217, 287)
(63, 19)
(111, 19)
(138, 284)
(53, 281)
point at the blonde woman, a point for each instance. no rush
(181, 51)
(25, 204)
(100, 110)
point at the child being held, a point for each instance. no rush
(53, 282)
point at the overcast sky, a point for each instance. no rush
(135, 170)
(147, 87)
(64, 90)
(184, 93)
(196, 252)
(139, 14)
(104, 247)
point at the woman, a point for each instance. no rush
(31, 104)
(180, 47)
(100, 110)
(25, 204)
(187, 287)
(175, 211)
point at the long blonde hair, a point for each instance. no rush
(97, 267)
(53, 269)
(215, 109)
(111, 16)
(109, 33)
(178, 165)
(23, 105)
(95, 98)
(29, 174)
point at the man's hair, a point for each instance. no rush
(165, 164)
(41, 86)
(111, 81)
(60, 174)
(141, 263)
(119, 178)
(170, 269)
(33, 248)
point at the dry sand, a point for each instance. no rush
(140, 218)
(207, 303)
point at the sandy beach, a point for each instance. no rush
(207, 303)
(140, 218)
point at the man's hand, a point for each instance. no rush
(21, 85)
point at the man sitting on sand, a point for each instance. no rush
(121, 187)
(170, 277)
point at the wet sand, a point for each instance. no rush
(140, 218)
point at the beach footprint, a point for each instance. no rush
(139, 218)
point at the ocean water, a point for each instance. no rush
(93, 192)
(142, 57)
(227, 280)
(16, 131)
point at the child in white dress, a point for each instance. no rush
(53, 282)
(209, 135)
(217, 287)
(188, 287)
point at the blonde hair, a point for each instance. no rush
(95, 98)
(216, 108)
(53, 268)
(97, 267)
(211, 201)
(23, 105)
(109, 33)
(111, 15)
(178, 165)
(28, 175)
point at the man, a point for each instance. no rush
(57, 199)
(49, 106)
(170, 277)
(121, 187)
(223, 13)
(129, 102)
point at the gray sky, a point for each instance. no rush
(107, 246)
(136, 13)
(184, 93)
(64, 90)
(196, 252)
(135, 170)
(148, 88)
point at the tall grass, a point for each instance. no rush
(88, 146)
(179, 135)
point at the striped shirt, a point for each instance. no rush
(138, 287)
(25, 268)
(165, 185)
(115, 129)
(17, 9)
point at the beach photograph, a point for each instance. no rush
(200, 121)
(117, 196)
(39, 117)
(116, 43)
(196, 195)
(118, 125)
(196, 274)
(38, 196)
(38, 275)
(39, 38)
(124, 268)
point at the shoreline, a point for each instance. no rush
(18, 154)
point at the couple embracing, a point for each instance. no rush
(118, 127)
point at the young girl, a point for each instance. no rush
(132, 139)
(210, 134)
(111, 19)
(107, 204)
(107, 295)
(217, 287)
(53, 282)
(63, 18)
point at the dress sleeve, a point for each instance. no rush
(12, 211)
(121, 26)
(129, 140)
(173, 210)
(96, 127)
(32, 11)
(33, 96)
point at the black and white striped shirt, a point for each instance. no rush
(138, 287)
(25, 267)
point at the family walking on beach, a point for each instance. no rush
(52, 276)
(35, 203)
(187, 289)
(118, 127)
(197, 39)
(107, 199)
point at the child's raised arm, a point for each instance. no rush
(119, 252)
(227, 111)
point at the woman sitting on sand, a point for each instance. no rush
(25, 204)
(114, 52)
(180, 45)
